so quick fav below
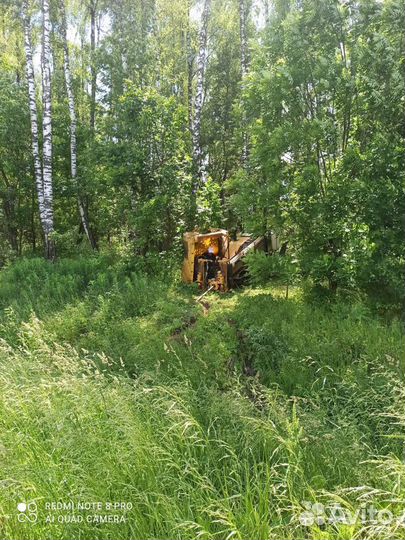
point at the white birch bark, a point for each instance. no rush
(47, 131)
(33, 110)
(244, 62)
(199, 97)
(190, 64)
(93, 73)
(244, 52)
(73, 126)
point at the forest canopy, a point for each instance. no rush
(127, 123)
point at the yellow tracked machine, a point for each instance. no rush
(215, 261)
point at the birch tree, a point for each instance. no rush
(199, 96)
(47, 133)
(73, 128)
(43, 214)
(190, 65)
(244, 62)
(93, 72)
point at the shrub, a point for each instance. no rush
(265, 268)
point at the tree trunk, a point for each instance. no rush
(244, 51)
(33, 108)
(198, 103)
(47, 133)
(9, 210)
(93, 72)
(190, 64)
(244, 62)
(73, 129)
(33, 231)
(39, 181)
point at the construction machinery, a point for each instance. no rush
(215, 261)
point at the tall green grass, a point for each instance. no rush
(220, 425)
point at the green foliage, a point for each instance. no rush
(253, 202)
(115, 384)
(209, 207)
(327, 143)
(266, 268)
(218, 424)
(321, 108)
(151, 166)
(15, 182)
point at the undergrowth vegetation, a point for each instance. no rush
(216, 422)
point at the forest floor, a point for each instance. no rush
(247, 418)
